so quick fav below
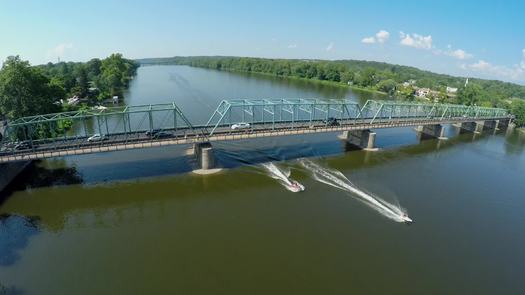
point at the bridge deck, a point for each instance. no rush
(138, 139)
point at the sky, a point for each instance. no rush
(480, 38)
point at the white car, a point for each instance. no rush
(97, 137)
(240, 126)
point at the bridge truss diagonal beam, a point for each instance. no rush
(270, 112)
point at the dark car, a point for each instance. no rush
(24, 145)
(331, 122)
(161, 134)
(153, 132)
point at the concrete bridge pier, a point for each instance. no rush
(205, 159)
(432, 131)
(364, 139)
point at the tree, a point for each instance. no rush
(517, 108)
(82, 82)
(470, 95)
(26, 91)
(112, 78)
(407, 92)
(347, 76)
(388, 86)
(366, 77)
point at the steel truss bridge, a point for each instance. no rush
(63, 134)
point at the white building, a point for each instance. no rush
(73, 100)
(452, 90)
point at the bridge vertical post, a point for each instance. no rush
(311, 114)
(98, 125)
(175, 120)
(85, 126)
(124, 124)
(243, 111)
(107, 127)
(229, 110)
(129, 123)
(273, 117)
(150, 115)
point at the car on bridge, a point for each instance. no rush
(157, 133)
(241, 125)
(161, 134)
(331, 122)
(153, 132)
(23, 145)
(97, 137)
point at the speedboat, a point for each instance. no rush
(406, 219)
(295, 186)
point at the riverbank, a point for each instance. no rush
(311, 80)
(322, 82)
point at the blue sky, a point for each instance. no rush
(469, 38)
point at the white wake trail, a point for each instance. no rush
(339, 180)
(283, 177)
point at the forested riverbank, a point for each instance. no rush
(27, 90)
(402, 82)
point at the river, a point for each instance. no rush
(136, 222)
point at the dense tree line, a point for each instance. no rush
(27, 90)
(110, 76)
(377, 76)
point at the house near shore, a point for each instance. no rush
(73, 100)
(422, 92)
(452, 90)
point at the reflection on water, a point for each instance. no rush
(15, 232)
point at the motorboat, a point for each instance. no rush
(406, 219)
(294, 186)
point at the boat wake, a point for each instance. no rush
(339, 180)
(283, 177)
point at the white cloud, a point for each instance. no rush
(516, 72)
(380, 37)
(369, 40)
(330, 46)
(458, 53)
(481, 65)
(291, 46)
(416, 41)
(60, 50)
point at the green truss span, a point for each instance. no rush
(130, 121)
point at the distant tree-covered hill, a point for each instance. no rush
(367, 74)
(398, 81)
